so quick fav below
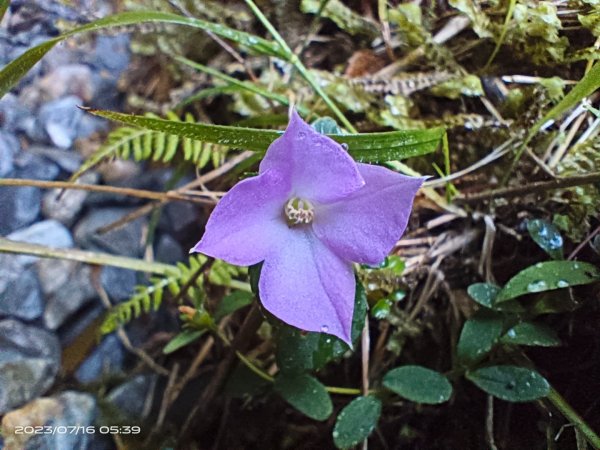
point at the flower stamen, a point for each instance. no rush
(298, 212)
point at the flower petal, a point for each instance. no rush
(248, 221)
(321, 169)
(307, 286)
(365, 226)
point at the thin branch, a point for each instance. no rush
(139, 193)
(538, 187)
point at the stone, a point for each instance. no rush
(30, 165)
(106, 359)
(69, 79)
(9, 146)
(65, 205)
(54, 273)
(60, 118)
(68, 409)
(66, 160)
(80, 322)
(69, 298)
(29, 362)
(22, 297)
(125, 240)
(49, 233)
(118, 283)
(130, 397)
(12, 113)
(20, 206)
(168, 250)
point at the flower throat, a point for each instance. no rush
(298, 212)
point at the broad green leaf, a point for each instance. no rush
(478, 336)
(510, 383)
(356, 421)
(418, 384)
(298, 352)
(547, 276)
(546, 235)
(186, 337)
(231, 303)
(531, 333)
(306, 394)
(367, 147)
(13, 72)
(244, 382)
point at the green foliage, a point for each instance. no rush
(150, 145)
(478, 336)
(531, 334)
(306, 394)
(186, 337)
(547, 236)
(547, 276)
(231, 303)
(356, 421)
(342, 15)
(510, 383)
(418, 384)
(365, 147)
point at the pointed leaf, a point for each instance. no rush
(547, 236)
(531, 333)
(478, 336)
(547, 276)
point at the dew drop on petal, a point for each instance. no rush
(324, 328)
(562, 283)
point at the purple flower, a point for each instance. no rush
(309, 214)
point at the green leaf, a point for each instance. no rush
(186, 337)
(244, 382)
(356, 421)
(367, 147)
(13, 72)
(4, 4)
(547, 276)
(297, 351)
(478, 336)
(326, 125)
(510, 383)
(231, 303)
(418, 384)
(306, 394)
(546, 235)
(531, 333)
(344, 17)
(483, 293)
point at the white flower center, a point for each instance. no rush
(298, 212)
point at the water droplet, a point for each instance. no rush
(511, 333)
(345, 146)
(537, 286)
(336, 434)
(324, 329)
(575, 266)
(562, 283)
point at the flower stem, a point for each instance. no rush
(293, 59)
(566, 410)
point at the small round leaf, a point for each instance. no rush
(510, 383)
(418, 384)
(306, 394)
(356, 421)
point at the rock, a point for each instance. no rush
(79, 323)
(125, 240)
(9, 146)
(22, 297)
(29, 362)
(49, 233)
(65, 205)
(106, 359)
(20, 206)
(60, 118)
(30, 165)
(74, 294)
(118, 283)
(180, 218)
(130, 397)
(168, 250)
(67, 160)
(70, 79)
(111, 54)
(67, 409)
(54, 273)
(12, 113)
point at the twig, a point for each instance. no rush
(71, 254)
(584, 243)
(365, 344)
(538, 187)
(139, 193)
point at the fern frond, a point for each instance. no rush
(149, 145)
(149, 298)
